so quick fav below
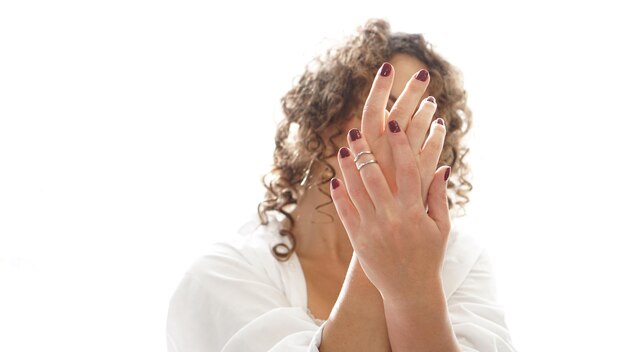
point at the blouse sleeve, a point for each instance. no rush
(477, 319)
(226, 304)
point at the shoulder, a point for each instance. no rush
(477, 318)
(247, 254)
(234, 283)
(463, 253)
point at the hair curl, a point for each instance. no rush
(330, 91)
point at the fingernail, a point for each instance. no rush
(334, 182)
(393, 126)
(422, 75)
(385, 70)
(355, 134)
(440, 121)
(447, 174)
(344, 152)
(432, 99)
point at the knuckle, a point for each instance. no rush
(394, 225)
(427, 109)
(410, 169)
(422, 122)
(390, 219)
(368, 107)
(427, 147)
(414, 214)
(397, 110)
(406, 164)
(376, 186)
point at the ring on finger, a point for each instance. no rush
(356, 158)
(360, 166)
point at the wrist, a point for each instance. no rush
(359, 279)
(422, 320)
(424, 292)
(358, 292)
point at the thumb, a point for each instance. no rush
(437, 199)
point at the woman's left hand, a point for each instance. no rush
(400, 245)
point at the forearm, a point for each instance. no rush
(357, 321)
(420, 323)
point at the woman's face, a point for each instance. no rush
(405, 67)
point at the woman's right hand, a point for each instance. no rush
(426, 150)
(382, 207)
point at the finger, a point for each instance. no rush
(371, 173)
(407, 173)
(347, 212)
(438, 201)
(373, 124)
(418, 127)
(429, 156)
(404, 107)
(353, 182)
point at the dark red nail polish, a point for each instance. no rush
(355, 134)
(440, 121)
(393, 126)
(432, 99)
(344, 152)
(385, 70)
(447, 174)
(334, 182)
(422, 75)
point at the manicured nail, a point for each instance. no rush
(385, 70)
(334, 182)
(393, 126)
(344, 152)
(440, 121)
(355, 134)
(422, 75)
(447, 174)
(432, 99)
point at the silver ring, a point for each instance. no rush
(360, 166)
(356, 158)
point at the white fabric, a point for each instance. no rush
(238, 297)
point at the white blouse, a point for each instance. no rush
(239, 298)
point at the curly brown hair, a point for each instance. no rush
(331, 90)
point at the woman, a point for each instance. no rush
(363, 261)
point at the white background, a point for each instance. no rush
(135, 133)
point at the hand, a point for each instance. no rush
(399, 244)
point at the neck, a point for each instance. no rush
(318, 236)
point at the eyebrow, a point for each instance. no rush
(391, 97)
